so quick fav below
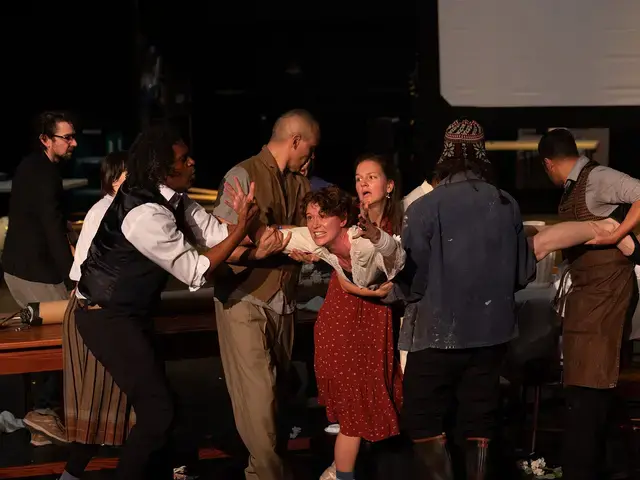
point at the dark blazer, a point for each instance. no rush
(37, 247)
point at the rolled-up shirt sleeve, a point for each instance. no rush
(152, 230)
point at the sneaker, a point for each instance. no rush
(333, 429)
(39, 440)
(181, 473)
(46, 422)
(329, 473)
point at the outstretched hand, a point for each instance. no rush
(367, 228)
(243, 204)
(237, 197)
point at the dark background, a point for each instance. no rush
(356, 62)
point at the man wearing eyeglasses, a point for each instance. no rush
(37, 257)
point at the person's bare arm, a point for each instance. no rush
(349, 287)
(261, 241)
(547, 239)
(606, 227)
(247, 214)
(271, 243)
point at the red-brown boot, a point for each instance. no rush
(477, 458)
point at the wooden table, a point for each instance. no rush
(39, 349)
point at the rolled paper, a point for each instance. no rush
(44, 313)
(173, 303)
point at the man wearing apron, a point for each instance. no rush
(600, 303)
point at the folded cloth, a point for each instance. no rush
(312, 305)
(9, 423)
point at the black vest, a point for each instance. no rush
(115, 275)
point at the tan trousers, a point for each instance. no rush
(255, 347)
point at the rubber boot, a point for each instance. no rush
(477, 458)
(432, 460)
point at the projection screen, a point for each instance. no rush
(539, 53)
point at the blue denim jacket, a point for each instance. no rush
(467, 255)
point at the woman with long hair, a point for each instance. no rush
(358, 375)
(88, 421)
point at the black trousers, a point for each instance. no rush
(125, 346)
(594, 444)
(435, 381)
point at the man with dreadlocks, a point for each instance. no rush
(148, 232)
(467, 254)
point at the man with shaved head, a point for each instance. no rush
(255, 299)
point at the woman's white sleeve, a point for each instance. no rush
(300, 240)
(390, 256)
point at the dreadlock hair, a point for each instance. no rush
(455, 161)
(151, 157)
(393, 205)
(452, 165)
(482, 169)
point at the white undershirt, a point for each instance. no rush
(151, 229)
(416, 193)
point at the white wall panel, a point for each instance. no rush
(539, 53)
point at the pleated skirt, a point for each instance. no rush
(95, 410)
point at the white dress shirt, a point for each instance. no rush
(151, 229)
(416, 193)
(368, 260)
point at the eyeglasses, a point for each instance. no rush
(67, 138)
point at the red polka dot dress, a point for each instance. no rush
(359, 379)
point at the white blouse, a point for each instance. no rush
(368, 260)
(89, 229)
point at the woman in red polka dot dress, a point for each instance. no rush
(359, 379)
(357, 371)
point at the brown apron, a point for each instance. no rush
(600, 303)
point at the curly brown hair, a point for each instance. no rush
(333, 202)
